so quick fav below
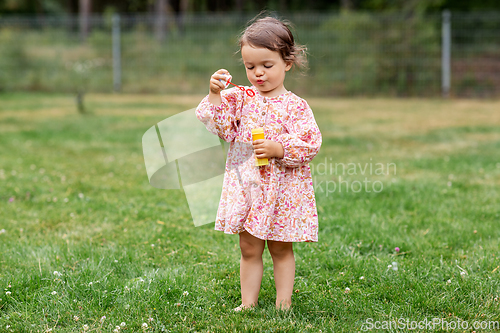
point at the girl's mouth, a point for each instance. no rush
(260, 81)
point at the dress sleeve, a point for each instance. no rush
(222, 120)
(303, 140)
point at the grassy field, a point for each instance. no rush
(86, 244)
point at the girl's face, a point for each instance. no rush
(265, 69)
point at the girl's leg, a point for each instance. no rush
(251, 268)
(284, 272)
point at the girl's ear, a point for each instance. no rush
(288, 66)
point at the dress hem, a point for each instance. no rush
(277, 240)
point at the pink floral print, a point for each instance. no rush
(275, 201)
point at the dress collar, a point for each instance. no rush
(279, 97)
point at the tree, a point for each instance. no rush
(84, 12)
(347, 4)
(160, 20)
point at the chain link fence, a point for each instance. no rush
(350, 54)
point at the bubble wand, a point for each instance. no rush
(249, 91)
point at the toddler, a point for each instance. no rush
(274, 202)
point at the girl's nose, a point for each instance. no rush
(259, 72)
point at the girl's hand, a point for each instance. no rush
(264, 148)
(215, 85)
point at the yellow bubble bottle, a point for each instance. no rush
(258, 133)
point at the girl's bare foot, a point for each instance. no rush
(244, 307)
(283, 307)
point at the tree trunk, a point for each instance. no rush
(80, 105)
(347, 4)
(239, 6)
(84, 10)
(283, 7)
(160, 19)
(183, 8)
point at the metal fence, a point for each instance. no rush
(350, 54)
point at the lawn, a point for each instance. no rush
(408, 202)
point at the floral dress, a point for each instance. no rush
(276, 201)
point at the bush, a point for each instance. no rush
(383, 53)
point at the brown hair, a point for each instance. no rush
(274, 35)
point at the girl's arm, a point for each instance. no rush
(303, 140)
(222, 119)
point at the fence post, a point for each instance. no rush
(117, 74)
(446, 54)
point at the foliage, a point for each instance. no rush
(351, 53)
(384, 52)
(139, 6)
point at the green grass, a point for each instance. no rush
(75, 199)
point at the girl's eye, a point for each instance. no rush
(268, 66)
(249, 67)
